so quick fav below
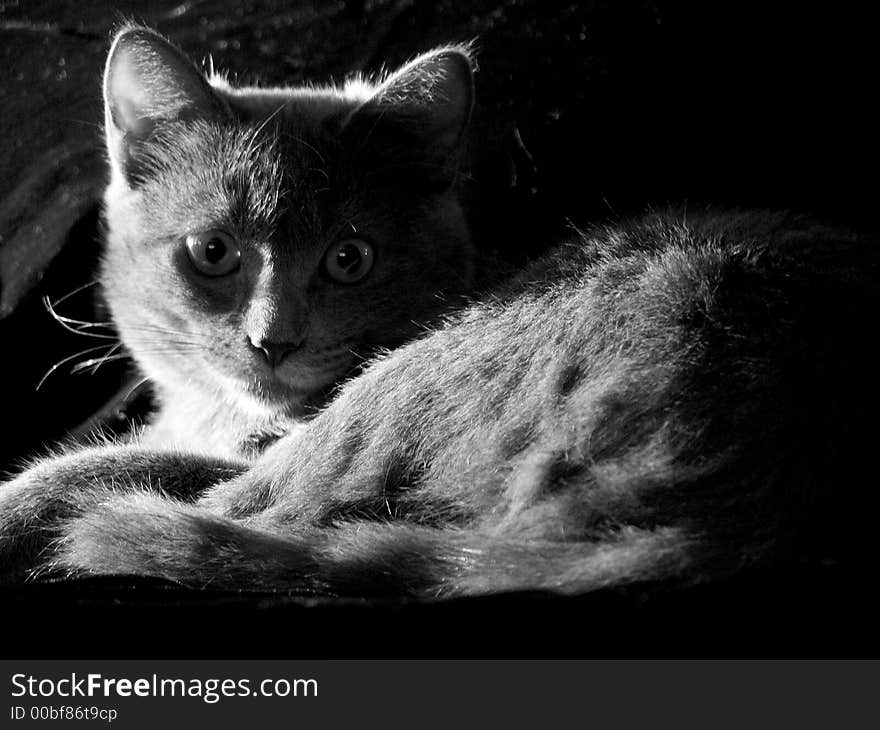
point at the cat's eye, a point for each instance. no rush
(349, 260)
(213, 253)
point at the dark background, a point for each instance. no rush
(617, 106)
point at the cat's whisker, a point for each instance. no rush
(74, 292)
(253, 139)
(67, 360)
(178, 350)
(98, 361)
(95, 363)
(136, 386)
(320, 172)
(161, 330)
(162, 338)
(76, 326)
(311, 147)
(83, 325)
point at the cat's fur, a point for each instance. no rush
(675, 398)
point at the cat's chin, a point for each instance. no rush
(294, 394)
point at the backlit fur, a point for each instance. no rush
(671, 399)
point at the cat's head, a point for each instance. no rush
(261, 241)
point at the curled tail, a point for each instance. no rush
(148, 535)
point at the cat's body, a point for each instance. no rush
(675, 399)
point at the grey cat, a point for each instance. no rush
(672, 399)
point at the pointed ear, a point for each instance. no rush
(147, 82)
(420, 113)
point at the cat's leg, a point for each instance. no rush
(34, 504)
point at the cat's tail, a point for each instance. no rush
(146, 534)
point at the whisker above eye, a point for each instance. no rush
(305, 144)
(263, 124)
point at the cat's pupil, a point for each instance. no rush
(215, 250)
(349, 258)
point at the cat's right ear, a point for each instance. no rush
(148, 82)
(418, 115)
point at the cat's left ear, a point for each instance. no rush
(149, 82)
(421, 111)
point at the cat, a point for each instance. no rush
(343, 411)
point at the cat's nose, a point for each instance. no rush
(274, 352)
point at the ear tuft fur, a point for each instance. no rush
(148, 81)
(425, 105)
